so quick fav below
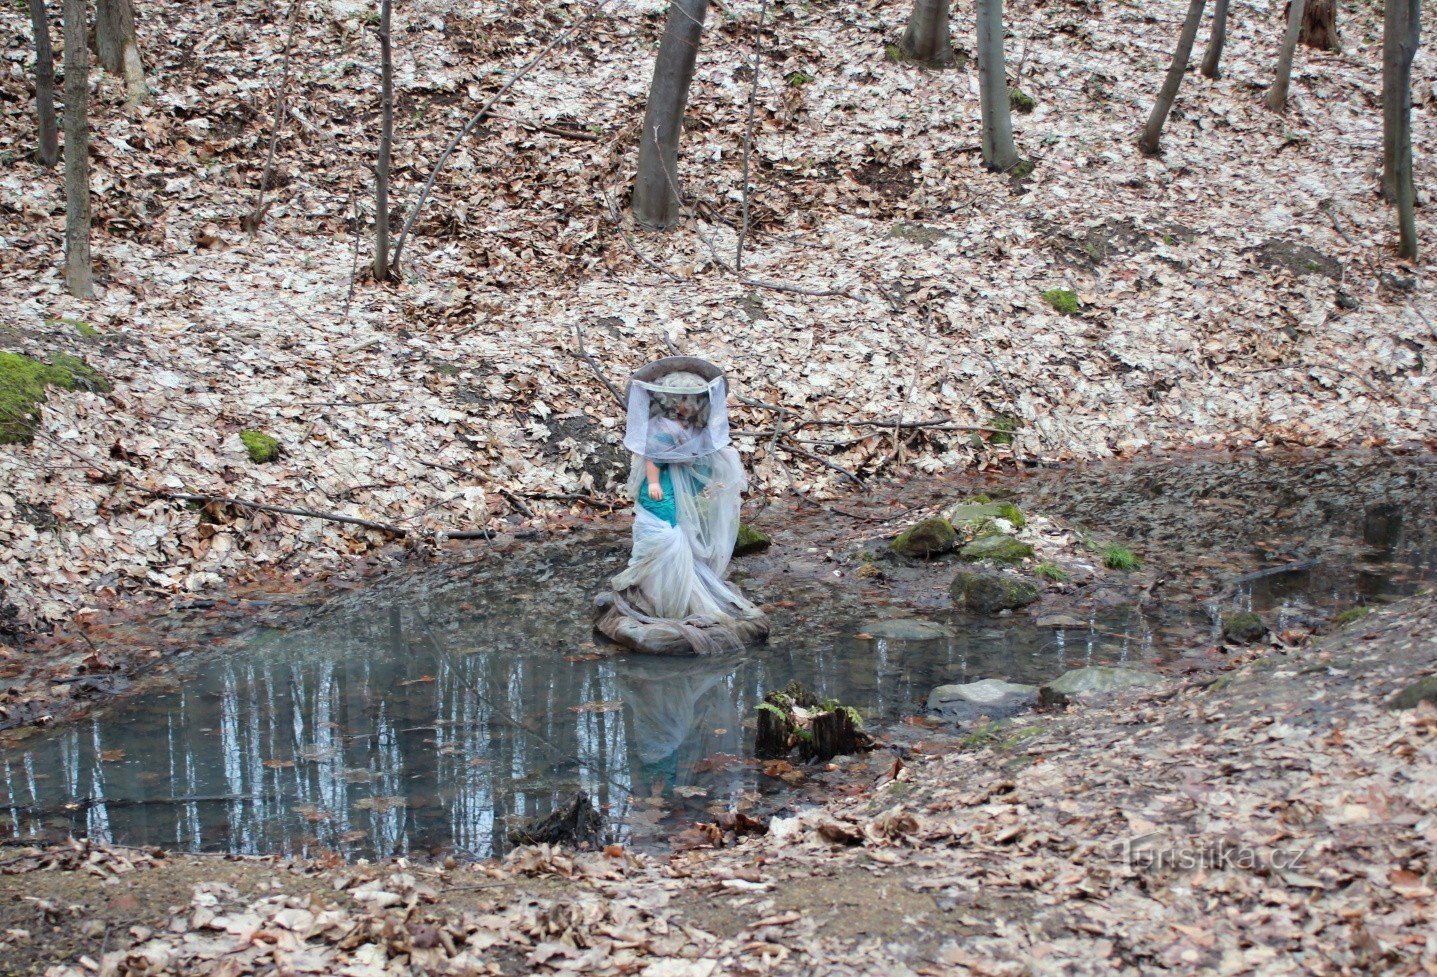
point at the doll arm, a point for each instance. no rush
(651, 471)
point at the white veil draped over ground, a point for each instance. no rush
(672, 598)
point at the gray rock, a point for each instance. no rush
(1001, 549)
(1099, 678)
(1061, 621)
(906, 629)
(988, 592)
(1423, 690)
(991, 697)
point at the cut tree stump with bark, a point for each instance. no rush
(794, 717)
(1319, 26)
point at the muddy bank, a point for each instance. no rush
(1272, 821)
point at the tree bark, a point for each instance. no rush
(1277, 94)
(119, 47)
(926, 40)
(1392, 22)
(1319, 26)
(47, 146)
(77, 150)
(655, 201)
(1212, 60)
(1151, 141)
(999, 152)
(1403, 25)
(386, 144)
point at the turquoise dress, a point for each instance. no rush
(665, 508)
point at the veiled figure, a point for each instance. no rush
(687, 484)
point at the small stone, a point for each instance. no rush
(1061, 621)
(988, 592)
(1100, 678)
(929, 538)
(990, 697)
(1244, 628)
(1001, 549)
(906, 629)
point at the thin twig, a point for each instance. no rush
(479, 116)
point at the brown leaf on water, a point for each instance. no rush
(417, 681)
(111, 756)
(278, 764)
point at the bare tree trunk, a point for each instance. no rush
(1277, 94)
(119, 47)
(926, 40)
(77, 150)
(1151, 140)
(47, 147)
(999, 152)
(656, 196)
(1212, 60)
(386, 144)
(1403, 24)
(1392, 98)
(1319, 26)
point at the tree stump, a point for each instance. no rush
(1319, 25)
(575, 823)
(794, 717)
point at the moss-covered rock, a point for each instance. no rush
(1244, 628)
(23, 381)
(1423, 690)
(1063, 299)
(1020, 101)
(261, 447)
(1000, 549)
(929, 538)
(988, 592)
(750, 540)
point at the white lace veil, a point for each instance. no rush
(677, 410)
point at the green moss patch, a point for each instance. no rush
(1063, 299)
(1352, 614)
(750, 540)
(1006, 424)
(1019, 101)
(1244, 628)
(80, 326)
(23, 382)
(261, 447)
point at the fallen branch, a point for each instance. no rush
(593, 365)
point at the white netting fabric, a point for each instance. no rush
(672, 596)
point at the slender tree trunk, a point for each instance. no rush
(386, 144)
(926, 40)
(77, 150)
(1151, 141)
(1277, 94)
(1319, 26)
(999, 152)
(119, 47)
(47, 147)
(1404, 22)
(1392, 98)
(1212, 61)
(656, 195)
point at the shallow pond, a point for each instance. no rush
(431, 713)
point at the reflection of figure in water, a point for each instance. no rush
(683, 711)
(687, 483)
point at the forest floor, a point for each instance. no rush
(1238, 290)
(1273, 819)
